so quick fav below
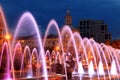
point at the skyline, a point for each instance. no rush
(45, 11)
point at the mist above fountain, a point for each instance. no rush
(85, 58)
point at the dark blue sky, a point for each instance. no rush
(45, 10)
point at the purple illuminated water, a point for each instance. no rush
(91, 71)
(84, 57)
(113, 68)
(80, 69)
(101, 69)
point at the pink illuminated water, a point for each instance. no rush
(89, 58)
(91, 71)
(101, 69)
(80, 69)
(113, 68)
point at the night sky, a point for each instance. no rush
(45, 10)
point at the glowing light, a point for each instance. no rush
(100, 68)
(7, 36)
(57, 48)
(29, 76)
(80, 68)
(91, 56)
(9, 79)
(113, 68)
(91, 69)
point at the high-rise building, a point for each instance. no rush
(95, 29)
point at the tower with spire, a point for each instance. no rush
(68, 18)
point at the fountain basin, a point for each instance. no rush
(50, 77)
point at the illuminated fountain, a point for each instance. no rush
(84, 58)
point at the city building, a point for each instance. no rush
(30, 41)
(68, 21)
(68, 18)
(95, 29)
(114, 43)
(2, 30)
(52, 43)
(66, 36)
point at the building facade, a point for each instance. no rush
(52, 43)
(2, 29)
(30, 41)
(95, 29)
